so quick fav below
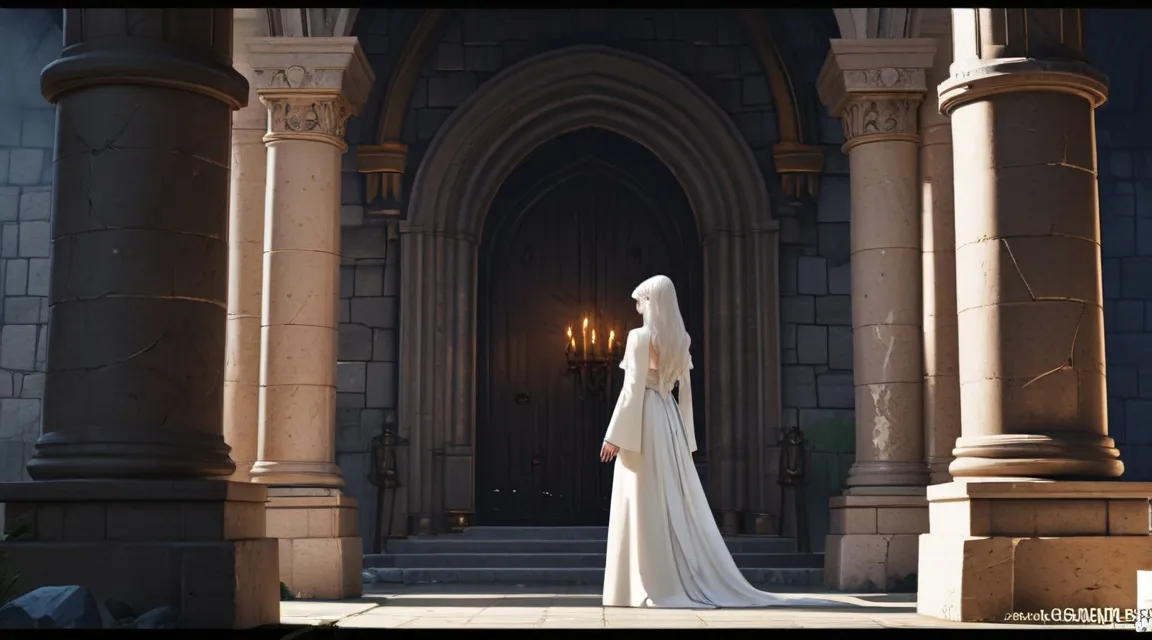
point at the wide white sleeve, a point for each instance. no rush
(685, 402)
(624, 429)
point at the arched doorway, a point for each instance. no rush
(577, 225)
(474, 152)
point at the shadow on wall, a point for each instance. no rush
(29, 40)
(1118, 45)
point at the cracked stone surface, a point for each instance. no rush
(455, 606)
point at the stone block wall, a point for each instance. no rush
(1118, 45)
(711, 50)
(29, 39)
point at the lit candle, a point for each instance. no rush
(611, 341)
(584, 337)
(594, 352)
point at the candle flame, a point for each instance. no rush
(569, 332)
(585, 323)
(593, 336)
(611, 338)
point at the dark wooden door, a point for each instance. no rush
(576, 252)
(570, 244)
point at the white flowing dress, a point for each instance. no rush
(664, 548)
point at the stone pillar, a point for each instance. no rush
(875, 87)
(245, 261)
(128, 498)
(1034, 532)
(938, 247)
(310, 86)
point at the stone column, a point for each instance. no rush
(128, 498)
(1031, 334)
(310, 86)
(875, 87)
(245, 260)
(938, 247)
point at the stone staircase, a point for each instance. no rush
(561, 556)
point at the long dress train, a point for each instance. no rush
(664, 548)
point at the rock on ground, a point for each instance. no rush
(69, 607)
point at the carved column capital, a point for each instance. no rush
(877, 117)
(311, 86)
(876, 86)
(306, 115)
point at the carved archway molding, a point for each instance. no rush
(478, 147)
(797, 159)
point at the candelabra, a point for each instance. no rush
(591, 364)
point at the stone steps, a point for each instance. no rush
(568, 560)
(749, 544)
(535, 533)
(560, 556)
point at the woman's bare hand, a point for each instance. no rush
(608, 451)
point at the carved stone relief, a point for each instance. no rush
(297, 77)
(889, 78)
(316, 114)
(872, 116)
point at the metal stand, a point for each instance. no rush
(795, 464)
(384, 476)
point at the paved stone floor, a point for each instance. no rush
(455, 606)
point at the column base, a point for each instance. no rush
(297, 474)
(321, 553)
(872, 544)
(196, 545)
(1002, 547)
(900, 476)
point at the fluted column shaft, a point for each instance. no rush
(136, 358)
(310, 87)
(245, 263)
(1029, 302)
(876, 87)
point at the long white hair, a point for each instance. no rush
(661, 311)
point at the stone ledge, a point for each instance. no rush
(862, 562)
(324, 568)
(1040, 508)
(292, 518)
(140, 521)
(1043, 489)
(882, 520)
(982, 579)
(207, 490)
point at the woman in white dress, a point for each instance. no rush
(664, 548)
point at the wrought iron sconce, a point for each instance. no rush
(795, 473)
(591, 365)
(384, 474)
